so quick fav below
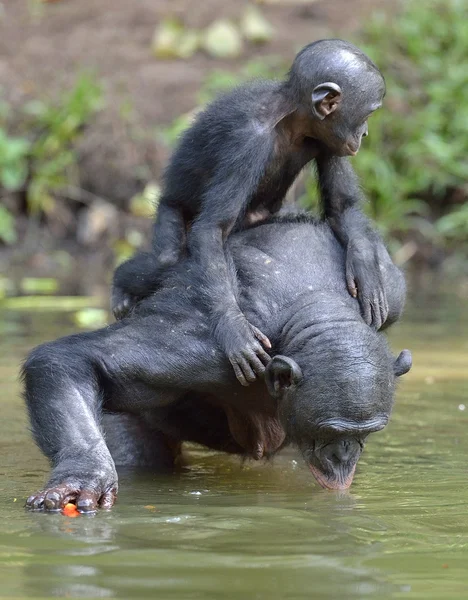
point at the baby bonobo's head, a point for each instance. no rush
(338, 87)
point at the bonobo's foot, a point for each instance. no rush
(242, 343)
(89, 492)
(122, 303)
(364, 279)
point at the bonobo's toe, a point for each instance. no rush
(53, 500)
(35, 501)
(108, 499)
(123, 308)
(87, 501)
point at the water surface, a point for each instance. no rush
(221, 529)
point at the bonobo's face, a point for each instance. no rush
(341, 115)
(330, 413)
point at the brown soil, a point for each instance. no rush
(41, 54)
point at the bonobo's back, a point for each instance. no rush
(280, 260)
(211, 138)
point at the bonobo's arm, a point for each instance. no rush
(341, 197)
(224, 203)
(131, 367)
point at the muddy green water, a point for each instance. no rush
(223, 530)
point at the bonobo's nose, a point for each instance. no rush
(365, 132)
(342, 451)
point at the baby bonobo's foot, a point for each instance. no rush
(245, 347)
(365, 281)
(122, 303)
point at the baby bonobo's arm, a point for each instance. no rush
(225, 202)
(341, 196)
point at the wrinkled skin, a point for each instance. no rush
(239, 158)
(157, 379)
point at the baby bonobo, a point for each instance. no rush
(237, 160)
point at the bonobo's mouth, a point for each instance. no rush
(353, 148)
(342, 481)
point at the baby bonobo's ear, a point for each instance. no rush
(282, 373)
(325, 99)
(403, 363)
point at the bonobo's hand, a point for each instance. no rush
(88, 487)
(242, 343)
(122, 303)
(364, 280)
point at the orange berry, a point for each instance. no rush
(70, 510)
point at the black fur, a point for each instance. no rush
(330, 383)
(236, 163)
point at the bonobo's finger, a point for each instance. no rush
(262, 338)
(107, 500)
(256, 364)
(247, 369)
(366, 310)
(351, 284)
(376, 315)
(87, 501)
(238, 373)
(383, 305)
(263, 356)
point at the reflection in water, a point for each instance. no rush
(223, 529)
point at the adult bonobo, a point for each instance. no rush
(239, 158)
(164, 379)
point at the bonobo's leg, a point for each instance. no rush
(63, 397)
(341, 197)
(131, 366)
(132, 443)
(142, 274)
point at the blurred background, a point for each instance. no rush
(93, 96)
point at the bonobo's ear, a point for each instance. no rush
(403, 363)
(325, 99)
(281, 373)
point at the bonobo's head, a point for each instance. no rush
(338, 87)
(334, 400)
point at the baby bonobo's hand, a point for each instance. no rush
(365, 282)
(245, 347)
(122, 303)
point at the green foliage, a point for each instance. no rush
(13, 161)
(7, 226)
(417, 151)
(46, 157)
(52, 154)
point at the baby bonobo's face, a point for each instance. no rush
(343, 130)
(343, 121)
